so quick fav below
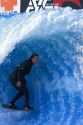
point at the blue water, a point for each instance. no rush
(56, 83)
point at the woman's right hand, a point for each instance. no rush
(18, 84)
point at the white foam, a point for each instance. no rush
(14, 29)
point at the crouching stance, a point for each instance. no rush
(17, 78)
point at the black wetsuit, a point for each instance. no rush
(19, 75)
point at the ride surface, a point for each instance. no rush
(56, 83)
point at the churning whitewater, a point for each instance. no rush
(56, 83)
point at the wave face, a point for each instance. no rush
(56, 83)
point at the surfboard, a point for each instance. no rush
(6, 106)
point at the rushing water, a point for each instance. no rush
(56, 83)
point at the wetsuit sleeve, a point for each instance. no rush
(19, 77)
(25, 66)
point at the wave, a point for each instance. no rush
(55, 83)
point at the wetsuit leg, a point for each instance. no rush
(23, 91)
(26, 95)
(16, 97)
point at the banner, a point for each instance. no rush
(18, 6)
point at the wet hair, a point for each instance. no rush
(33, 55)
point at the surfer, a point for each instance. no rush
(17, 78)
